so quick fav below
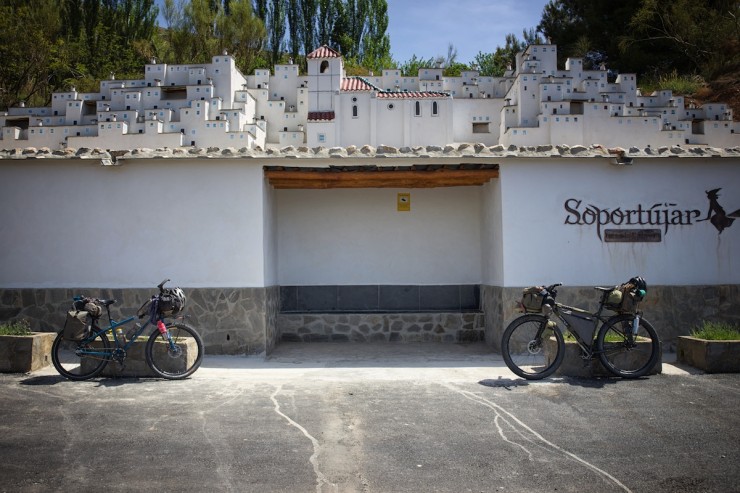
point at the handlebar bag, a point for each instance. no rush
(532, 300)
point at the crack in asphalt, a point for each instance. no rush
(506, 416)
(321, 479)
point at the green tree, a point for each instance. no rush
(200, 21)
(325, 21)
(295, 28)
(276, 29)
(309, 9)
(242, 34)
(377, 43)
(410, 68)
(596, 24)
(486, 64)
(260, 9)
(29, 43)
(693, 36)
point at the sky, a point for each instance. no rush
(425, 28)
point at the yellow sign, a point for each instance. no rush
(404, 202)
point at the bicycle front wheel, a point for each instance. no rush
(624, 353)
(80, 360)
(533, 347)
(178, 360)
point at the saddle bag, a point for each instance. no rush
(626, 297)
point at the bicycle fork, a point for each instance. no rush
(172, 347)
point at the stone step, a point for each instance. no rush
(382, 327)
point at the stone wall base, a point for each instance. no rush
(247, 320)
(382, 327)
(230, 320)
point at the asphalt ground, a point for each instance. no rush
(370, 418)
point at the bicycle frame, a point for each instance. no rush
(110, 353)
(587, 347)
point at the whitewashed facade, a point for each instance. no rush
(324, 207)
(214, 105)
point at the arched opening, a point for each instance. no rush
(324, 66)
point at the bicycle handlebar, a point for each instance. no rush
(549, 293)
(161, 285)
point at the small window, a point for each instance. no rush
(417, 109)
(322, 137)
(435, 108)
(480, 128)
(390, 106)
(354, 111)
(324, 66)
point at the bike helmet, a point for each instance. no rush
(640, 286)
(171, 301)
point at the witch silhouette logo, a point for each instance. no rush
(716, 214)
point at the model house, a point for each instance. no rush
(215, 105)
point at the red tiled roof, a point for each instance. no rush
(320, 116)
(323, 52)
(360, 84)
(412, 95)
(356, 84)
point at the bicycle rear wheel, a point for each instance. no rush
(178, 361)
(624, 354)
(533, 347)
(73, 360)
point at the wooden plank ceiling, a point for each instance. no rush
(417, 176)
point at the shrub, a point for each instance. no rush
(678, 84)
(15, 328)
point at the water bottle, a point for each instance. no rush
(635, 325)
(134, 331)
(121, 335)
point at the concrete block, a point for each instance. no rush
(23, 354)
(709, 356)
(575, 366)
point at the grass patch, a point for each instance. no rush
(15, 328)
(717, 331)
(679, 84)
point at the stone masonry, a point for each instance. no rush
(230, 320)
(247, 320)
(382, 327)
(672, 310)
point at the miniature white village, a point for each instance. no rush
(215, 105)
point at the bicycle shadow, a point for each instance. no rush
(585, 382)
(43, 380)
(49, 380)
(505, 383)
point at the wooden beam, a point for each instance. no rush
(379, 179)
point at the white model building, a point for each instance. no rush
(215, 105)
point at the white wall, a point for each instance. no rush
(492, 236)
(356, 236)
(538, 247)
(79, 224)
(270, 234)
